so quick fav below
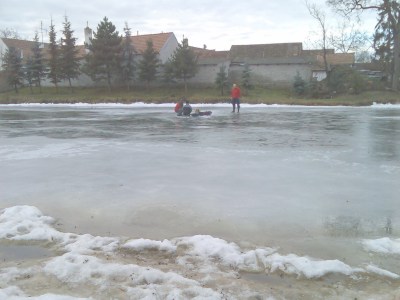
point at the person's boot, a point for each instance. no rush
(238, 109)
(233, 110)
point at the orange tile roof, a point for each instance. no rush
(25, 46)
(340, 58)
(257, 51)
(206, 53)
(139, 42)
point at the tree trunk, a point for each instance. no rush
(396, 58)
(70, 85)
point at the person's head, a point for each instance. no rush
(234, 85)
(187, 102)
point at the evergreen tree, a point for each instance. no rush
(148, 64)
(128, 55)
(246, 75)
(104, 59)
(168, 72)
(387, 37)
(184, 61)
(12, 65)
(299, 85)
(38, 68)
(28, 74)
(69, 54)
(54, 73)
(222, 79)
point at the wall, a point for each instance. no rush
(272, 75)
(168, 49)
(207, 73)
(3, 49)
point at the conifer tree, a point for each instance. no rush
(148, 64)
(128, 55)
(246, 75)
(12, 65)
(387, 38)
(69, 54)
(54, 73)
(184, 61)
(222, 79)
(28, 74)
(38, 68)
(104, 59)
(168, 72)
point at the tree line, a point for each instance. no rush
(386, 38)
(111, 58)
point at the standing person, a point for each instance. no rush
(235, 96)
(187, 109)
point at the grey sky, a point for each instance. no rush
(215, 23)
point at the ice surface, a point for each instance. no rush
(132, 200)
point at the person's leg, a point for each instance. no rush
(238, 105)
(233, 105)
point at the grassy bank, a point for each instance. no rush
(195, 95)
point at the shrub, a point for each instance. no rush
(343, 79)
(299, 85)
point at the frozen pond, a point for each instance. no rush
(312, 181)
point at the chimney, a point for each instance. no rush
(88, 35)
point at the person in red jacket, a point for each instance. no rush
(235, 97)
(179, 106)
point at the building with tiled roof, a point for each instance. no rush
(163, 43)
(22, 46)
(209, 64)
(270, 64)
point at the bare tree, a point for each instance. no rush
(9, 33)
(347, 38)
(388, 8)
(317, 13)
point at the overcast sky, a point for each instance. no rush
(218, 24)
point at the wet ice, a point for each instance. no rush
(313, 183)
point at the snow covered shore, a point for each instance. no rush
(83, 266)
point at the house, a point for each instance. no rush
(23, 47)
(332, 58)
(269, 64)
(163, 43)
(209, 64)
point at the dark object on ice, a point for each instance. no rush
(197, 113)
(201, 113)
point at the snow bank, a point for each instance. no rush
(379, 271)
(385, 105)
(27, 223)
(146, 244)
(306, 266)
(194, 261)
(384, 245)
